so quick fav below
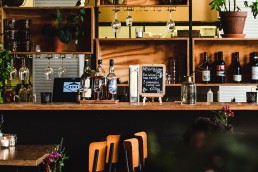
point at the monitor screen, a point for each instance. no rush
(65, 89)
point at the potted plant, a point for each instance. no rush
(232, 19)
(5, 69)
(67, 27)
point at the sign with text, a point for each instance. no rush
(152, 80)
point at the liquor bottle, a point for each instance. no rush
(255, 68)
(86, 85)
(220, 68)
(100, 81)
(111, 82)
(206, 72)
(237, 70)
(22, 94)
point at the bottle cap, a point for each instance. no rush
(111, 62)
(100, 61)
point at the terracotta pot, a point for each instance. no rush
(58, 45)
(233, 22)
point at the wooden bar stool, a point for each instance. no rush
(131, 148)
(97, 155)
(143, 148)
(112, 152)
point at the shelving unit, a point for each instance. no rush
(245, 47)
(46, 15)
(131, 51)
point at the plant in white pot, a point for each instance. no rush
(232, 19)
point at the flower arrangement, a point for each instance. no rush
(55, 160)
(224, 114)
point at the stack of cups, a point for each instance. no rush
(11, 34)
(25, 32)
(17, 34)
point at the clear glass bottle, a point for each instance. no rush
(29, 94)
(86, 85)
(237, 70)
(22, 94)
(100, 81)
(188, 91)
(111, 82)
(206, 72)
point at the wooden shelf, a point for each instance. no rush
(140, 3)
(245, 46)
(46, 15)
(127, 52)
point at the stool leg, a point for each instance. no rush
(110, 157)
(95, 162)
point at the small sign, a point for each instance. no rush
(152, 80)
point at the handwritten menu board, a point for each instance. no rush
(152, 80)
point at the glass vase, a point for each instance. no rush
(188, 91)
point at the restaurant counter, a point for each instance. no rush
(129, 106)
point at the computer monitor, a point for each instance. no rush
(65, 89)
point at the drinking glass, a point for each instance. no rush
(13, 72)
(48, 72)
(116, 24)
(170, 23)
(61, 70)
(24, 71)
(129, 19)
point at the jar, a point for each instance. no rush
(25, 35)
(11, 35)
(25, 23)
(11, 23)
(9, 95)
(188, 91)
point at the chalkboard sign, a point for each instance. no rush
(152, 80)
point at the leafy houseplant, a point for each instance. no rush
(229, 12)
(5, 68)
(67, 27)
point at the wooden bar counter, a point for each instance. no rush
(127, 106)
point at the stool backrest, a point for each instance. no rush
(143, 148)
(97, 155)
(131, 147)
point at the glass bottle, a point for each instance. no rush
(86, 85)
(255, 68)
(172, 70)
(22, 94)
(220, 68)
(188, 91)
(206, 72)
(209, 96)
(100, 81)
(111, 82)
(29, 94)
(237, 70)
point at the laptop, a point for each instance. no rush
(65, 89)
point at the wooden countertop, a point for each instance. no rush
(24, 155)
(128, 106)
